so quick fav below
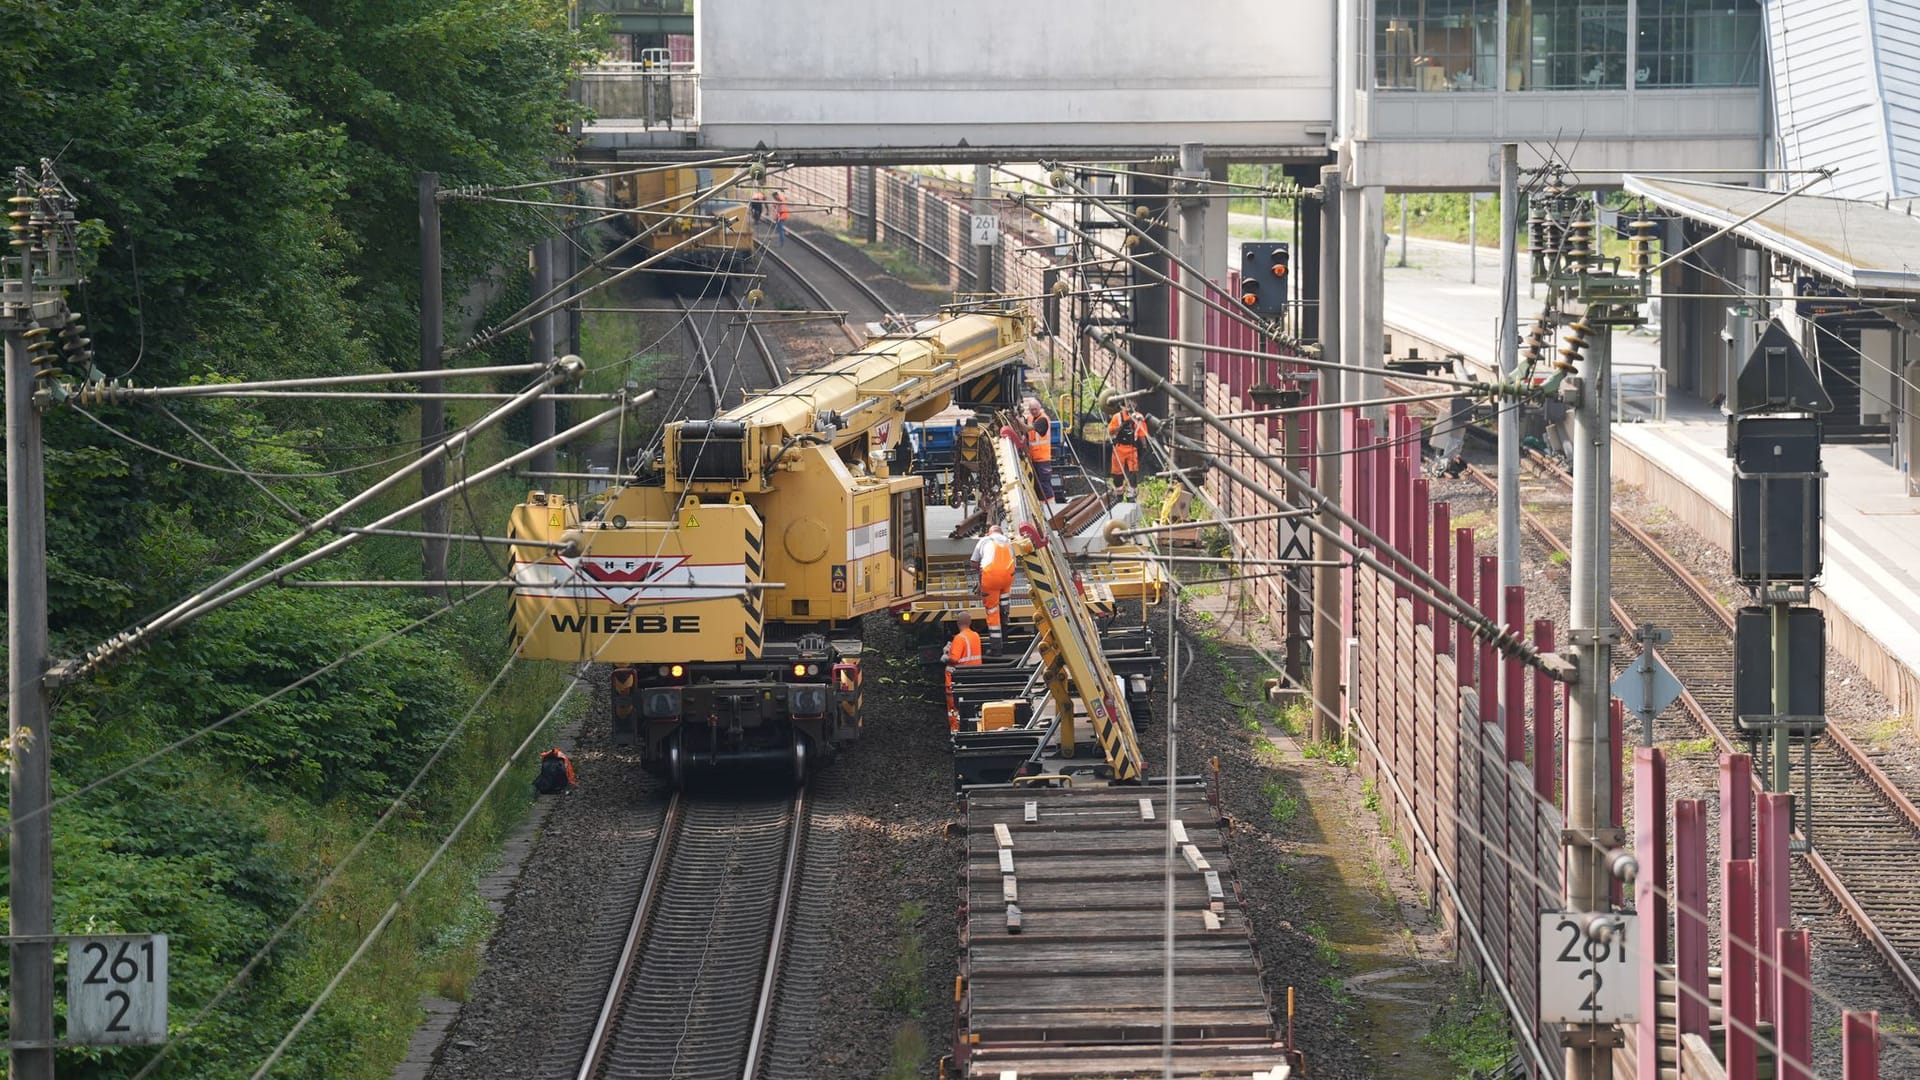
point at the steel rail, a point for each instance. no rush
(852, 278)
(701, 350)
(776, 943)
(601, 1039)
(775, 369)
(812, 289)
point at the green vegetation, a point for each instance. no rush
(1881, 733)
(907, 1053)
(1691, 747)
(246, 182)
(1472, 1032)
(903, 988)
(1557, 558)
(1282, 805)
(1332, 753)
(903, 991)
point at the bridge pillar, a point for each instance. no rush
(1190, 365)
(1363, 257)
(1153, 301)
(864, 196)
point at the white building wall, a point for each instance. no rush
(884, 73)
(1896, 36)
(1826, 96)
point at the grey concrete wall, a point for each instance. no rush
(882, 73)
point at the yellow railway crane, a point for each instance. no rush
(726, 582)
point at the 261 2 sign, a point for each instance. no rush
(117, 990)
(1583, 981)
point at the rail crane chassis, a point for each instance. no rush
(726, 583)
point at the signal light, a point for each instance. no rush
(1267, 261)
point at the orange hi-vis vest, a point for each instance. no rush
(1137, 433)
(1040, 447)
(998, 565)
(965, 650)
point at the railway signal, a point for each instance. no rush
(1264, 267)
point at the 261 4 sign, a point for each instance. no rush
(117, 990)
(1583, 981)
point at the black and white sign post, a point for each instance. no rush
(1588, 968)
(117, 990)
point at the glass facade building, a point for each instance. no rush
(1452, 45)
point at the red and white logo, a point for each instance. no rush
(621, 579)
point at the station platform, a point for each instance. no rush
(1870, 590)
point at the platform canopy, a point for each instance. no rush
(1866, 246)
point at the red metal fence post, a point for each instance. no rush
(1402, 494)
(1361, 490)
(1775, 816)
(1736, 807)
(1488, 678)
(1513, 689)
(1443, 572)
(1650, 895)
(1860, 1045)
(1737, 990)
(1422, 547)
(1793, 989)
(1545, 748)
(1463, 565)
(1690, 913)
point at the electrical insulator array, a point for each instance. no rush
(1640, 245)
(42, 259)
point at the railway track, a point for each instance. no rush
(693, 994)
(1864, 854)
(718, 368)
(868, 305)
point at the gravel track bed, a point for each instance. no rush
(521, 1018)
(887, 800)
(1277, 910)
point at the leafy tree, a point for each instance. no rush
(474, 90)
(247, 171)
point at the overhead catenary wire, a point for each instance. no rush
(1399, 794)
(1496, 847)
(1416, 578)
(195, 604)
(393, 909)
(247, 709)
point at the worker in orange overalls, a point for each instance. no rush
(1126, 431)
(993, 580)
(962, 651)
(1040, 447)
(780, 213)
